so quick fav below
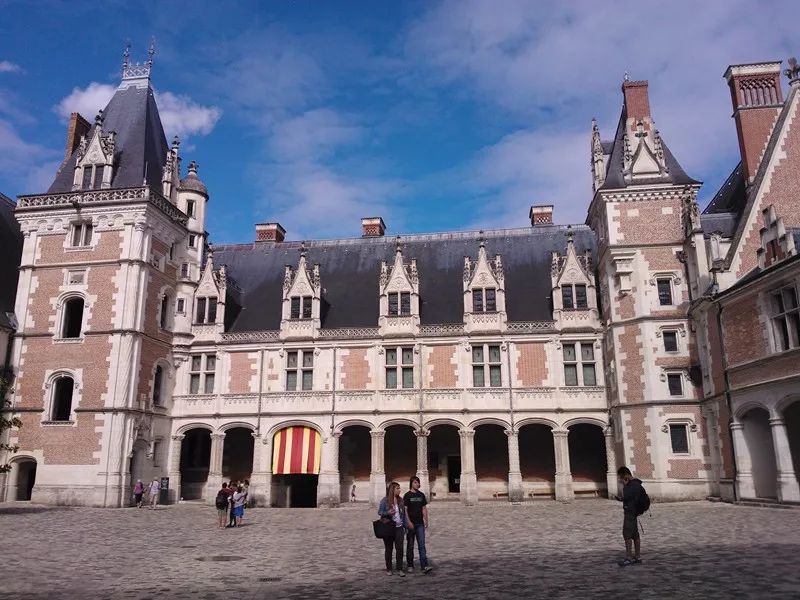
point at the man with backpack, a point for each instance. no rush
(221, 502)
(635, 502)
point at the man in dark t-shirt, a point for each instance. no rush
(417, 522)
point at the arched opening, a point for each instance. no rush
(23, 479)
(138, 466)
(355, 462)
(537, 460)
(63, 388)
(163, 317)
(73, 318)
(158, 386)
(491, 461)
(791, 417)
(400, 454)
(444, 461)
(195, 463)
(296, 456)
(587, 459)
(237, 454)
(758, 437)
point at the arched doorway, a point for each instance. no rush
(355, 462)
(758, 438)
(195, 463)
(23, 479)
(491, 461)
(400, 454)
(537, 460)
(296, 455)
(587, 459)
(791, 418)
(237, 454)
(138, 467)
(444, 462)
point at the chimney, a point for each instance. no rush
(269, 232)
(757, 99)
(372, 227)
(541, 215)
(77, 127)
(637, 101)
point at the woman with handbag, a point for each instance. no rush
(392, 508)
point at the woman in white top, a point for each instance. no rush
(154, 489)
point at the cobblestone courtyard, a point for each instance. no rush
(494, 550)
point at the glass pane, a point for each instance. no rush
(391, 378)
(408, 377)
(670, 341)
(580, 296)
(569, 352)
(76, 235)
(308, 380)
(674, 383)
(494, 376)
(408, 356)
(157, 386)
(477, 300)
(308, 358)
(201, 311)
(294, 313)
(291, 380)
(190, 208)
(405, 303)
(393, 304)
(307, 307)
(587, 352)
(194, 384)
(491, 300)
(196, 361)
(391, 356)
(477, 354)
(477, 377)
(211, 362)
(794, 329)
(87, 234)
(494, 354)
(212, 310)
(566, 296)
(73, 318)
(291, 360)
(680, 439)
(588, 375)
(777, 303)
(789, 298)
(664, 291)
(209, 389)
(570, 374)
(783, 333)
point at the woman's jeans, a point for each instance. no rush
(419, 533)
(397, 542)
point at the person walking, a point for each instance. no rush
(391, 507)
(353, 493)
(231, 490)
(154, 490)
(635, 502)
(416, 505)
(246, 488)
(138, 492)
(237, 501)
(221, 502)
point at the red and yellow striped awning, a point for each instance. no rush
(296, 451)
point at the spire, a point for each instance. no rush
(136, 74)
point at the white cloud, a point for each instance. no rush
(9, 67)
(21, 161)
(313, 134)
(87, 101)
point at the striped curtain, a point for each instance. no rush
(296, 451)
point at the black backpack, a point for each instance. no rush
(642, 502)
(222, 500)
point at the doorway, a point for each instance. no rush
(25, 479)
(294, 491)
(454, 474)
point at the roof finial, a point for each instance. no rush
(398, 245)
(98, 119)
(193, 167)
(793, 72)
(626, 76)
(570, 234)
(151, 51)
(176, 141)
(481, 239)
(126, 55)
(303, 251)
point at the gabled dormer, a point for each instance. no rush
(399, 296)
(208, 315)
(777, 244)
(484, 292)
(94, 164)
(574, 294)
(300, 316)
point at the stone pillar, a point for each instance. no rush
(564, 491)
(377, 475)
(174, 472)
(261, 477)
(788, 488)
(745, 488)
(214, 481)
(612, 482)
(468, 486)
(515, 493)
(329, 490)
(422, 462)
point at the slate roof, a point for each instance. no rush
(11, 253)
(141, 146)
(350, 269)
(722, 223)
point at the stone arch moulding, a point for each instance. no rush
(785, 403)
(235, 424)
(444, 421)
(183, 429)
(339, 428)
(489, 421)
(745, 408)
(586, 421)
(536, 421)
(399, 421)
(294, 423)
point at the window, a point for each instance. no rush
(185, 270)
(580, 296)
(81, 234)
(579, 364)
(88, 177)
(675, 384)
(301, 305)
(158, 378)
(190, 208)
(679, 436)
(486, 358)
(399, 303)
(573, 296)
(201, 375)
(76, 277)
(192, 240)
(157, 453)
(664, 291)
(402, 369)
(670, 341)
(484, 300)
(62, 399)
(206, 310)
(163, 317)
(300, 366)
(786, 318)
(180, 306)
(73, 318)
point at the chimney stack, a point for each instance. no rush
(372, 227)
(77, 127)
(757, 99)
(270, 232)
(541, 215)
(637, 100)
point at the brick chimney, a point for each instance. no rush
(637, 100)
(757, 99)
(77, 127)
(541, 215)
(372, 227)
(269, 232)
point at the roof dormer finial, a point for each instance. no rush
(126, 55)
(151, 51)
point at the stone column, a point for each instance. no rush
(329, 490)
(788, 488)
(611, 464)
(564, 491)
(515, 493)
(422, 462)
(214, 481)
(469, 482)
(377, 475)
(261, 477)
(745, 488)
(174, 472)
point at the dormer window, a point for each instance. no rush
(190, 208)
(89, 177)
(81, 234)
(399, 303)
(206, 310)
(574, 296)
(301, 307)
(484, 292)
(484, 300)
(302, 291)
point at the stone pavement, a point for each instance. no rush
(495, 550)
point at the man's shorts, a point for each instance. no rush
(238, 511)
(630, 527)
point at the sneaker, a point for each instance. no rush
(410, 570)
(401, 573)
(389, 572)
(625, 562)
(637, 561)
(427, 570)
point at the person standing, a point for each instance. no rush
(221, 502)
(155, 489)
(138, 492)
(391, 507)
(634, 502)
(232, 490)
(353, 493)
(416, 505)
(237, 501)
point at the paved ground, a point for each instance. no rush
(494, 550)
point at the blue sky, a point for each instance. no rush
(434, 115)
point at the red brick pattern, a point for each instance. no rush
(639, 437)
(355, 369)
(443, 371)
(532, 368)
(631, 365)
(637, 102)
(242, 369)
(745, 336)
(714, 352)
(650, 226)
(51, 249)
(784, 365)
(689, 468)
